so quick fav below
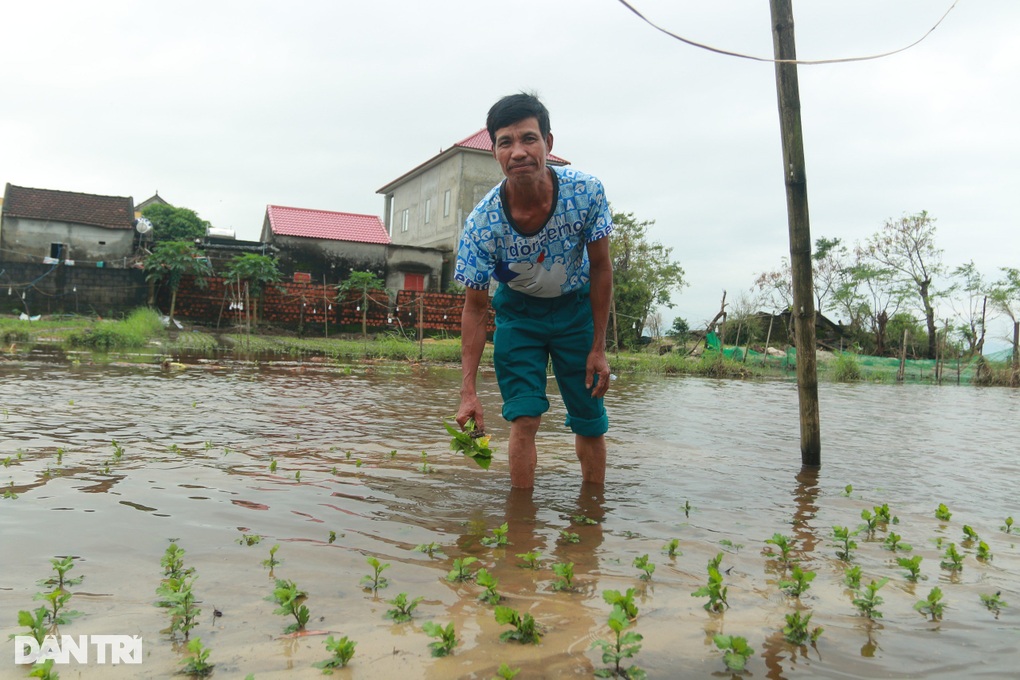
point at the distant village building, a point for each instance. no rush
(426, 206)
(50, 226)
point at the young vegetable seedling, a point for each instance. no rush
(797, 632)
(375, 580)
(460, 571)
(568, 537)
(783, 543)
(291, 601)
(272, 561)
(993, 603)
(672, 548)
(342, 651)
(625, 601)
(447, 638)
(498, 537)
(525, 630)
(507, 673)
(530, 559)
(868, 600)
(942, 513)
(714, 590)
(844, 543)
(624, 645)
(197, 663)
(933, 605)
(952, 560)
(431, 549)
(565, 576)
(489, 582)
(645, 566)
(894, 542)
(799, 582)
(984, 553)
(1008, 526)
(852, 577)
(912, 565)
(403, 609)
(735, 650)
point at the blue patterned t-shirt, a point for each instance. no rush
(549, 263)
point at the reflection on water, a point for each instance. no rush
(198, 446)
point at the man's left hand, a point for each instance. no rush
(597, 366)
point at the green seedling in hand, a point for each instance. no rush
(197, 663)
(993, 603)
(735, 650)
(530, 559)
(624, 601)
(894, 542)
(984, 553)
(471, 444)
(952, 560)
(460, 571)
(624, 645)
(568, 537)
(912, 565)
(799, 581)
(868, 600)
(342, 651)
(525, 630)
(403, 609)
(375, 580)
(797, 632)
(942, 513)
(1008, 526)
(933, 605)
(447, 638)
(969, 534)
(714, 590)
(272, 561)
(291, 601)
(645, 566)
(430, 549)
(498, 537)
(785, 545)
(672, 548)
(489, 582)
(565, 576)
(844, 543)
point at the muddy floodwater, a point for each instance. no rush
(360, 451)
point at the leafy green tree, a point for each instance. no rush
(360, 283)
(172, 261)
(906, 248)
(680, 330)
(644, 274)
(174, 224)
(972, 310)
(1005, 295)
(257, 271)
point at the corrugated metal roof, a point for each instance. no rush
(325, 224)
(113, 212)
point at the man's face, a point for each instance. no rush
(521, 150)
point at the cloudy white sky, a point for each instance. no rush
(225, 107)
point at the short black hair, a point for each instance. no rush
(514, 108)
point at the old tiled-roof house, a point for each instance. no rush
(75, 228)
(427, 205)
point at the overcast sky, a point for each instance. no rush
(225, 107)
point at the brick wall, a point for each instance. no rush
(61, 289)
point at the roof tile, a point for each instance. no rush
(113, 212)
(324, 224)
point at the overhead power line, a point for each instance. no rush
(813, 62)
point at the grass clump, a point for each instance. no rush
(136, 330)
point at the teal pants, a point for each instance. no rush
(529, 332)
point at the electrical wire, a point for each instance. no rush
(804, 62)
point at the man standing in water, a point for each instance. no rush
(542, 233)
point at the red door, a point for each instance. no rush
(414, 282)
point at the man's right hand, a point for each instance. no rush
(471, 407)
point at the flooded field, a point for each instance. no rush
(340, 464)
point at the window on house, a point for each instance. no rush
(57, 250)
(428, 210)
(404, 220)
(446, 203)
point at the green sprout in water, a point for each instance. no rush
(498, 538)
(672, 548)
(375, 580)
(460, 571)
(797, 631)
(735, 650)
(933, 605)
(489, 582)
(291, 603)
(848, 489)
(687, 507)
(564, 576)
(844, 543)
(332, 537)
(912, 565)
(447, 638)
(993, 603)
(197, 662)
(62, 566)
(249, 539)
(953, 560)
(430, 549)
(178, 597)
(506, 673)
(714, 590)
(984, 553)
(568, 537)
(403, 608)
(272, 561)
(625, 601)
(783, 543)
(342, 651)
(852, 577)
(894, 542)
(1008, 526)
(969, 534)
(530, 559)
(799, 582)
(583, 520)
(624, 645)
(645, 566)
(272, 465)
(525, 630)
(868, 600)
(942, 513)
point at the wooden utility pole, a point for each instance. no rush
(788, 90)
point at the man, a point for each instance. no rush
(542, 233)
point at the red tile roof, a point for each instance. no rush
(481, 142)
(324, 224)
(112, 212)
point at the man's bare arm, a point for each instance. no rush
(601, 272)
(473, 321)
